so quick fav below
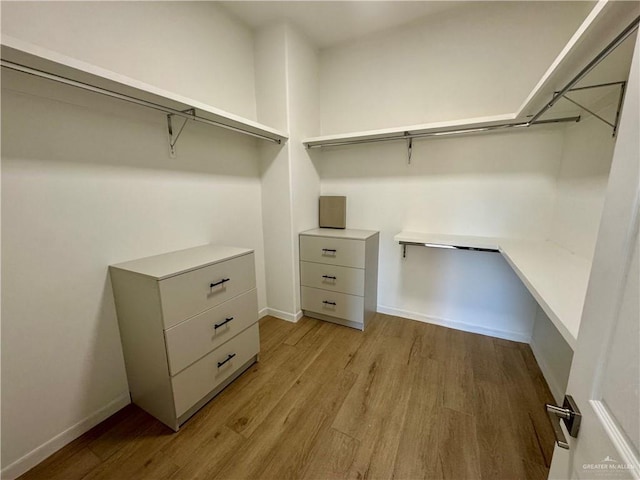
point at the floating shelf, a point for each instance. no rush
(32, 59)
(459, 242)
(555, 277)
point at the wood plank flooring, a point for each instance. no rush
(404, 400)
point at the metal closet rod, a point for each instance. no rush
(127, 98)
(443, 133)
(534, 120)
(632, 27)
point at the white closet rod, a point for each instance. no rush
(127, 98)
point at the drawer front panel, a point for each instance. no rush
(348, 307)
(332, 277)
(193, 339)
(186, 295)
(197, 380)
(332, 251)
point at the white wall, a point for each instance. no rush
(498, 184)
(87, 182)
(286, 68)
(582, 182)
(191, 48)
(272, 98)
(277, 231)
(271, 76)
(480, 60)
(302, 61)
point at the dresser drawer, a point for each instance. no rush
(332, 251)
(197, 380)
(190, 293)
(332, 277)
(190, 340)
(340, 305)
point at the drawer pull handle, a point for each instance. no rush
(218, 325)
(329, 277)
(328, 303)
(221, 282)
(229, 357)
(329, 250)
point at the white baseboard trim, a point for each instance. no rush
(547, 373)
(33, 458)
(289, 317)
(465, 327)
(263, 313)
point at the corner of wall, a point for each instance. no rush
(287, 95)
(33, 458)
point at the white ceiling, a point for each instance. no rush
(328, 23)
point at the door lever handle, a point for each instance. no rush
(571, 416)
(555, 414)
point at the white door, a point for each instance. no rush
(605, 374)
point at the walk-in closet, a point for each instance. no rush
(320, 239)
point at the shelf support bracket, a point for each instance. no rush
(623, 88)
(404, 250)
(409, 147)
(173, 139)
(589, 111)
(615, 123)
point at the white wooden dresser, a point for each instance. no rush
(188, 324)
(339, 275)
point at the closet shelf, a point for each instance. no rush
(436, 129)
(439, 240)
(604, 29)
(574, 62)
(555, 277)
(32, 59)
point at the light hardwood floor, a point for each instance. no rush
(402, 400)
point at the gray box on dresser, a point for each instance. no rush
(339, 275)
(188, 325)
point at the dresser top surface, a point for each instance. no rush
(174, 263)
(340, 233)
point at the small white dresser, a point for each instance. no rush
(188, 324)
(339, 275)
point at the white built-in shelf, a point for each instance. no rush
(400, 133)
(439, 240)
(603, 23)
(556, 277)
(35, 57)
